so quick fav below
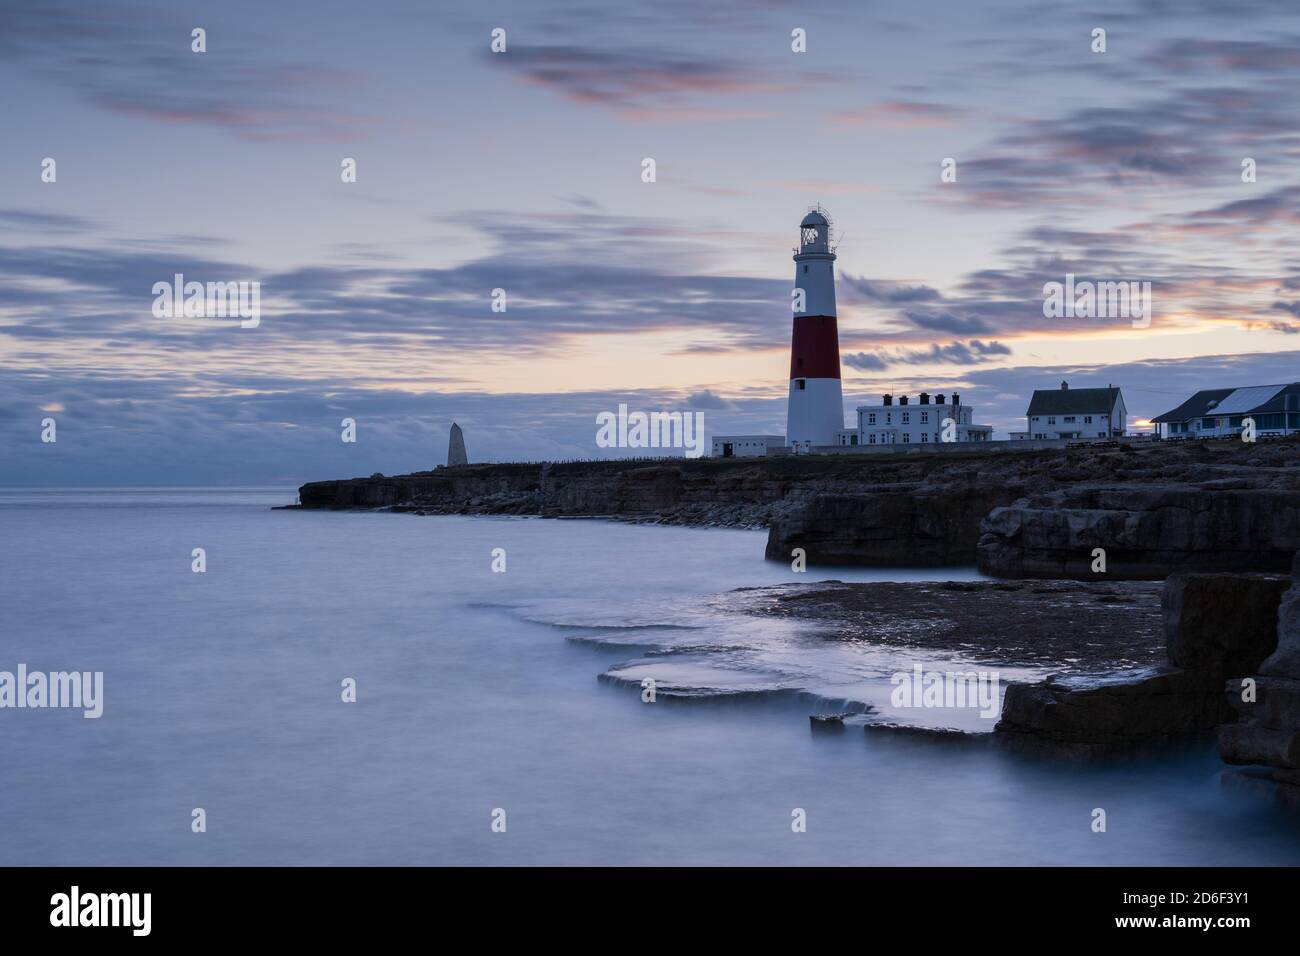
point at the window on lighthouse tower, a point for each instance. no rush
(809, 235)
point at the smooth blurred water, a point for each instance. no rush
(222, 691)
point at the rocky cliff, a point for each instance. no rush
(741, 492)
(1267, 703)
(1154, 509)
(1146, 532)
(1222, 506)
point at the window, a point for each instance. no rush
(871, 418)
(1051, 420)
(925, 436)
(805, 267)
(801, 384)
(1068, 419)
(925, 417)
(1101, 434)
(1207, 424)
(906, 438)
(889, 418)
(907, 417)
(1087, 419)
(871, 439)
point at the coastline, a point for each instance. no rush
(1186, 533)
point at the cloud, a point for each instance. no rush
(564, 275)
(946, 321)
(136, 61)
(972, 352)
(706, 398)
(27, 221)
(241, 427)
(645, 83)
(1196, 56)
(885, 292)
(824, 187)
(898, 114)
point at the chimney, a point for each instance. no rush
(889, 399)
(902, 400)
(1065, 386)
(938, 400)
(956, 399)
(925, 398)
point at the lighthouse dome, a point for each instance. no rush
(815, 233)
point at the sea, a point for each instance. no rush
(389, 689)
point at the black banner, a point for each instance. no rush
(339, 905)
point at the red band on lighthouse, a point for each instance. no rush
(815, 347)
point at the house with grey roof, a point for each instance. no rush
(1221, 412)
(1077, 413)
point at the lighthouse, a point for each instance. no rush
(815, 412)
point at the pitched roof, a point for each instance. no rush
(1235, 401)
(1072, 401)
(1196, 406)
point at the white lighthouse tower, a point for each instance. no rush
(815, 412)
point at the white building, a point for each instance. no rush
(1075, 413)
(746, 446)
(926, 422)
(1220, 412)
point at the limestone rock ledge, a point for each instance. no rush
(1146, 532)
(1090, 718)
(1267, 704)
(1156, 508)
(1216, 626)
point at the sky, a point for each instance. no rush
(522, 171)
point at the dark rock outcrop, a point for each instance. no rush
(1215, 626)
(1146, 532)
(1268, 703)
(909, 526)
(1085, 718)
(1223, 624)
(827, 723)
